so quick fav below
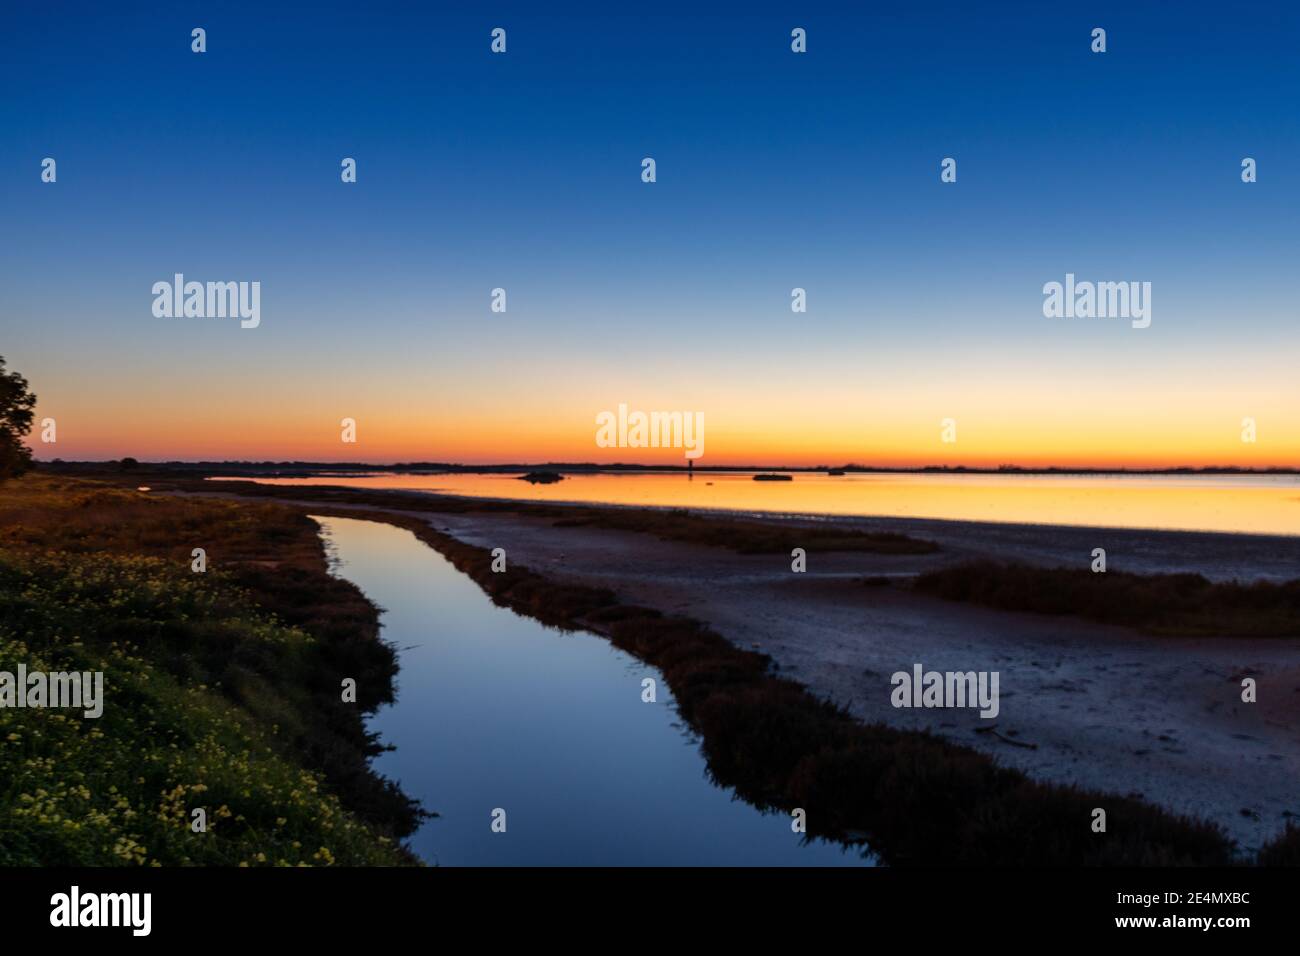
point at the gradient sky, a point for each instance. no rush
(775, 170)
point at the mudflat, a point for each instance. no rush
(1081, 703)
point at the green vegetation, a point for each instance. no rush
(1185, 605)
(222, 689)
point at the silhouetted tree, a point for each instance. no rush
(126, 464)
(16, 404)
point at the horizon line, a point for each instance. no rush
(575, 466)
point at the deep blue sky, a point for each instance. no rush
(522, 171)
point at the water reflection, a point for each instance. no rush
(496, 711)
(1253, 504)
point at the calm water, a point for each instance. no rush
(494, 710)
(1257, 504)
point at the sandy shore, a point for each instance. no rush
(1097, 706)
(1103, 707)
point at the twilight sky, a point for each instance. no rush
(775, 170)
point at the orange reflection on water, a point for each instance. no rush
(1251, 504)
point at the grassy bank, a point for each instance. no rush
(740, 535)
(915, 798)
(1185, 605)
(222, 688)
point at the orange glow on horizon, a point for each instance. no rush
(887, 423)
(379, 443)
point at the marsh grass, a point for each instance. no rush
(1285, 850)
(223, 688)
(745, 537)
(1175, 605)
